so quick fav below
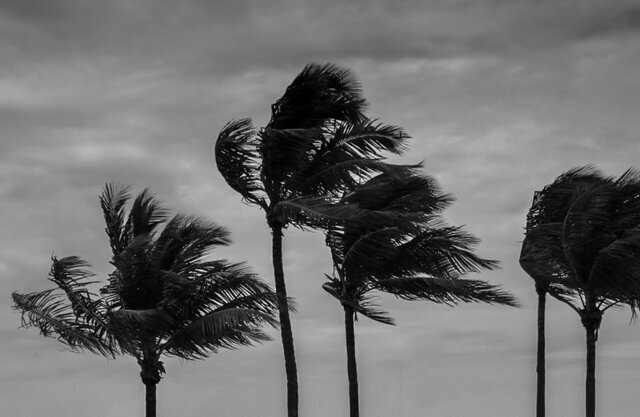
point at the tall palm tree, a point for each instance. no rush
(399, 244)
(316, 144)
(587, 232)
(547, 210)
(165, 297)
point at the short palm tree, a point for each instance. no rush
(398, 244)
(316, 144)
(586, 229)
(165, 297)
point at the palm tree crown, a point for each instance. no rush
(400, 245)
(583, 234)
(317, 143)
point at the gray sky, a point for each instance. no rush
(499, 96)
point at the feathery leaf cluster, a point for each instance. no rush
(164, 296)
(397, 242)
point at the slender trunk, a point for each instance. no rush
(151, 370)
(540, 367)
(591, 319)
(352, 368)
(285, 324)
(591, 372)
(150, 398)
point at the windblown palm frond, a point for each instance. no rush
(402, 190)
(345, 155)
(185, 242)
(615, 268)
(319, 93)
(113, 200)
(237, 158)
(446, 291)
(444, 252)
(48, 312)
(224, 328)
(369, 254)
(69, 311)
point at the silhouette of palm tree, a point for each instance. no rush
(163, 298)
(398, 244)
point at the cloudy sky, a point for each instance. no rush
(499, 97)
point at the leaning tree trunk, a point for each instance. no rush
(352, 368)
(285, 323)
(540, 366)
(591, 322)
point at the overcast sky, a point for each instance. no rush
(499, 97)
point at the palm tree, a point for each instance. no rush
(165, 297)
(316, 144)
(587, 232)
(398, 244)
(536, 253)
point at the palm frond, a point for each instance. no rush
(445, 291)
(185, 242)
(350, 153)
(366, 138)
(233, 286)
(147, 213)
(616, 269)
(53, 315)
(71, 276)
(227, 328)
(335, 178)
(333, 287)
(320, 93)
(370, 254)
(445, 252)
(324, 213)
(550, 205)
(541, 255)
(585, 230)
(626, 217)
(401, 190)
(368, 308)
(358, 299)
(237, 159)
(135, 283)
(112, 200)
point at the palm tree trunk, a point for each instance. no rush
(540, 366)
(285, 323)
(352, 368)
(591, 319)
(590, 387)
(150, 398)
